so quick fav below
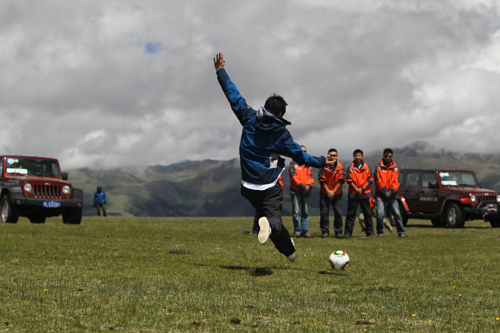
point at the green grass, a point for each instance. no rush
(118, 274)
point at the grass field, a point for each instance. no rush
(119, 274)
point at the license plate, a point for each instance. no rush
(51, 204)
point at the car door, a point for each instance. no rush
(410, 192)
(429, 193)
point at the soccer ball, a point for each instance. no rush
(339, 260)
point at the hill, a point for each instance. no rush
(212, 188)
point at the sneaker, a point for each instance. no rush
(292, 256)
(403, 236)
(324, 235)
(297, 235)
(265, 230)
(307, 235)
(339, 236)
(380, 235)
(347, 236)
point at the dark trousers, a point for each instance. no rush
(352, 207)
(324, 210)
(101, 207)
(269, 203)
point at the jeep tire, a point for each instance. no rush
(73, 217)
(454, 216)
(8, 213)
(495, 223)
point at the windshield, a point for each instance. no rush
(31, 166)
(450, 178)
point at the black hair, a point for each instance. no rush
(357, 151)
(388, 151)
(276, 104)
(332, 149)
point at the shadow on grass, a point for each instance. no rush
(252, 270)
(443, 226)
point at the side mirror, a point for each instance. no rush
(64, 175)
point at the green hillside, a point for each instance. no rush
(212, 188)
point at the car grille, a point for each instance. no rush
(481, 198)
(47, 191)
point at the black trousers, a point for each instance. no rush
(269, 203)
(352, 207)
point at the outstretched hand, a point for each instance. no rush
(219, 61)
(330, 163)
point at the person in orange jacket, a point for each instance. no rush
(301, 185)
(331, 181)
(360, 179)
(386, 192)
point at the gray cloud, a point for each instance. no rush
(108, 83)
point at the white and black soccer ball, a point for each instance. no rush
(339, 260)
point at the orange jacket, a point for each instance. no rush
(331, 177)
(300, 177)
(359, 176)
(386, 178)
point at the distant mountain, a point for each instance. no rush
(212, 188)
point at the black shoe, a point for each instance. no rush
(347, 236)
(324, 235)
(339, 236)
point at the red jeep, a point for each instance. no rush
(34, 187)
(446, 197)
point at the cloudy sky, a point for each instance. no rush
(108, 83)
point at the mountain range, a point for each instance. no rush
(212, 188)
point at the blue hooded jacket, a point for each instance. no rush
(263, 139)
(99, 196)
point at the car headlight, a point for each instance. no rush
(66, 189)
(472, 197)
(27, 187)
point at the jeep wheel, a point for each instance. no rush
(37, 218)
(454, 216)
(495, 223)
(9, 214)
(73, 217)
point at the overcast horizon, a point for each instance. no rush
(116, 83)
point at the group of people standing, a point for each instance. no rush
(359, 179)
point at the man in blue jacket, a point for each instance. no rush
(100, 201)
(264, 138)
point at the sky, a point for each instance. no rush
(103, 84)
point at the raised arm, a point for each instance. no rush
(238, 103)
(219, 61)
